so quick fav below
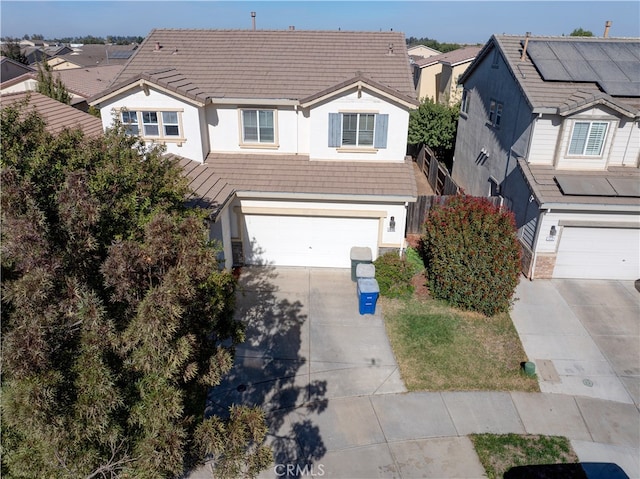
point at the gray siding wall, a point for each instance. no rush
(472, 168)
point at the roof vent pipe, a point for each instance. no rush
(390, 49)
(292, 28)
(526, 44)
(253, 20)
(607, 26)
(157, 47)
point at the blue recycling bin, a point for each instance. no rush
(368, 292)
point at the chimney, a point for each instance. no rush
(607, 26)
(524, 49)
(253, 20)
(292, 28)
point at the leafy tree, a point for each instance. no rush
(11, 49)
(471, 254)
(434, 125)
(436, 45)
(50, 86)
(579, 32)
(116, 318)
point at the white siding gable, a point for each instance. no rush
(191, 143)
(544, 139)
(398, 124)
(568, 161)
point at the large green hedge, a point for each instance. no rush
(472, 255)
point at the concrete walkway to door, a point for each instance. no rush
(336, 405)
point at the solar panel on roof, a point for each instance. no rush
(120, 54)
(585, 186)
(614, 66)
(575, 185)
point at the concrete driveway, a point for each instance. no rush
(336, 406)
(583, 335)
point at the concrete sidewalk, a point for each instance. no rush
(337, 407)
(425, 434)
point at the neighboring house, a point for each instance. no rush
(295, 140)
(10, 69)
(34, 54)
(81, 83)
(436, 77)
(91, 55)
(56, 115)
(551, 125)
(422, 51)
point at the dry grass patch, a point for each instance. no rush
(439, 348)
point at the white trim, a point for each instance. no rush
(142, 84)
(359, 85)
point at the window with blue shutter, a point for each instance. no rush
(382, 127)
(334, 130)
(358, 130)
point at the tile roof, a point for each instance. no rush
(88, 81)
(454, 57)
(266, 64)
(541, 179)
(550, 96)
(56, 115)
(223, 174)
(95, 54)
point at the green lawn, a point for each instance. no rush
(439, 348)
(500, 452)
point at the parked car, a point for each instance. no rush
(580, 470)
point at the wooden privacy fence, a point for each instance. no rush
(437, 175)
(418, 212)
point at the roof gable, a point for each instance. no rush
(276, 65)
(556, 96)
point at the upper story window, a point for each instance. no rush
(495, 113)
(358, 130)
(587, 138)
(258, 126)
(466, 100)
(155, 124)
(130, 122)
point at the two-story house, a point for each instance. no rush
(295, 140)
(551, 125)
(436, 77)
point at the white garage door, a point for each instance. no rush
(307, 241)
(598, 253)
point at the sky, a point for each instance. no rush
(457, 21)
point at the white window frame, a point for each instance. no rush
(258, 143)
(160, 124)
(464, 102)
(496, 109)
(591, 135)
(359, 131)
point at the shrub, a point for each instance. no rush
(393, 274)
(471, 254)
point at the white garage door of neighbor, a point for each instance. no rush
(308, 241)
(598, 253)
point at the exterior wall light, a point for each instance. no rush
(552, 233)
(392, 224)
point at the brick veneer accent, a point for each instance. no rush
(545, 263)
